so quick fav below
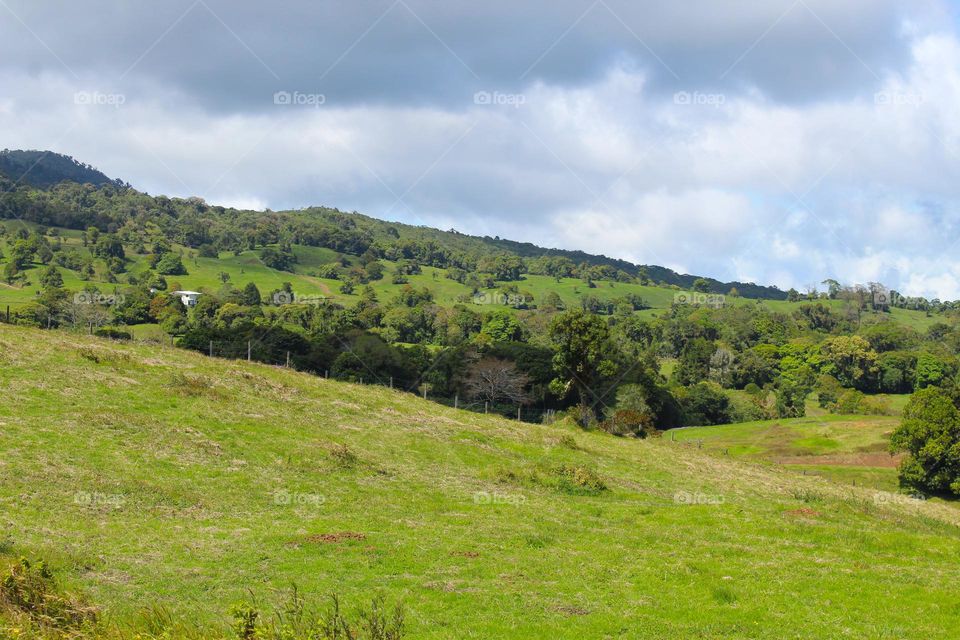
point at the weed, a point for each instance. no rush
(190, 385)
(32, 590)
(579, 481)
(807, 495)
(344, 457)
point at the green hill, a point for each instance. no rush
(166, 486)
(44, 169)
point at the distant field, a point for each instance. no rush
(851, 449)
(155, 478)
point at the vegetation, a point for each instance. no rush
(180, 496)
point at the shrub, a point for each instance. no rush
(113, 333)
(32, 590)
(344, 457)
(579, 480)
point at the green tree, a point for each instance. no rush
(850, 360)
(170, 264)
(930, 434)
(585, 358)
(51, 277)
(251, 295)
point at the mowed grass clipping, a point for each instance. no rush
(155, 477)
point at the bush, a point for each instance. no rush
(113, 333)
(628, 422)
(31, 590)
(579, 481)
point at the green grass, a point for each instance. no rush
(849, 449)
(151, 476)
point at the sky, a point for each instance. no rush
(781, 142)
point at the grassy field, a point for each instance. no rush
(154, 477)
(851, 449)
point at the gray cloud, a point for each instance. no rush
(232, 55)
(815, 139)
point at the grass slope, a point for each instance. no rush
(154, 476)
(851, 449)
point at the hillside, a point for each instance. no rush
(156, 478)
(44, 169)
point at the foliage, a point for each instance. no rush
(930, 434)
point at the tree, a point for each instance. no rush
(791, 398)
(281, 259)
(251, 295)
(694, 363)
(494, 380)
(704, 404)
(585, 357)
(51, 278)
(502, 326)
(632, 414)
(170, 264)
(850, 360)
(930, 434)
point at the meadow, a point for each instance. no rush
(155, 479)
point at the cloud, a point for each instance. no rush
(782, 143)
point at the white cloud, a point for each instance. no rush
(748, 187)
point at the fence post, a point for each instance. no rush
(424, 392)
(391, 382)
(211, 348)
(248, 351)
(288, 359)
(518, 414)
(456, 401)
(486, 406)
(326, 374)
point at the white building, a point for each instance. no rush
(188, 298)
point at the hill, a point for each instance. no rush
(44, 169)
(350, 232)
(158, 480)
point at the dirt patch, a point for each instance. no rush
(465, 554)
(863, 459)
(571, 610)
(330, 538)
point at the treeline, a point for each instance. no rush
(606, 368)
